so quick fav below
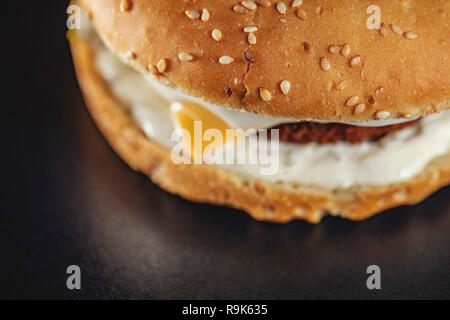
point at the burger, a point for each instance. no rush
(351, 95)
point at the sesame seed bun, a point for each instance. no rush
(203, 183)
(333, 66)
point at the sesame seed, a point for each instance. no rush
(265, 94)
(383, 115)
(251, 38)
(410, 35)
(379, 90)
(185, 57)
(319, 10)
(345, 50)
(351, 102)
(250, 29)
(342, 85)
(152, 70)
(360, 108)
(125, 5)
(217, 34)
(250, 5)
(226, 60)
(355, 61)
(325, 64)
(330, 86)
(205, 15)
(334, 49)
(382, 30)
(130, 55)
(396, 29)
(264, 3)
(408, 116)
(162, 65)
(192, 14)
(363, 75)
(296, 3)
(302, 14)
(281, 7)
(239, 9)
(285, 87)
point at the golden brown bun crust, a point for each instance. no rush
(397, 75)
(203, 183)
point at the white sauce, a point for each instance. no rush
(398, 157)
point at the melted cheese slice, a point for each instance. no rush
(202, 131)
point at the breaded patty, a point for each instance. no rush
(322, 133)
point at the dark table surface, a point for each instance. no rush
(68, 199)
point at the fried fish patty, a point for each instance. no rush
(323, 133)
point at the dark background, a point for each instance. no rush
(68, 199)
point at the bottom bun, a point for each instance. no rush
(275, 202)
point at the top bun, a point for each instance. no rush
(337, 68)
